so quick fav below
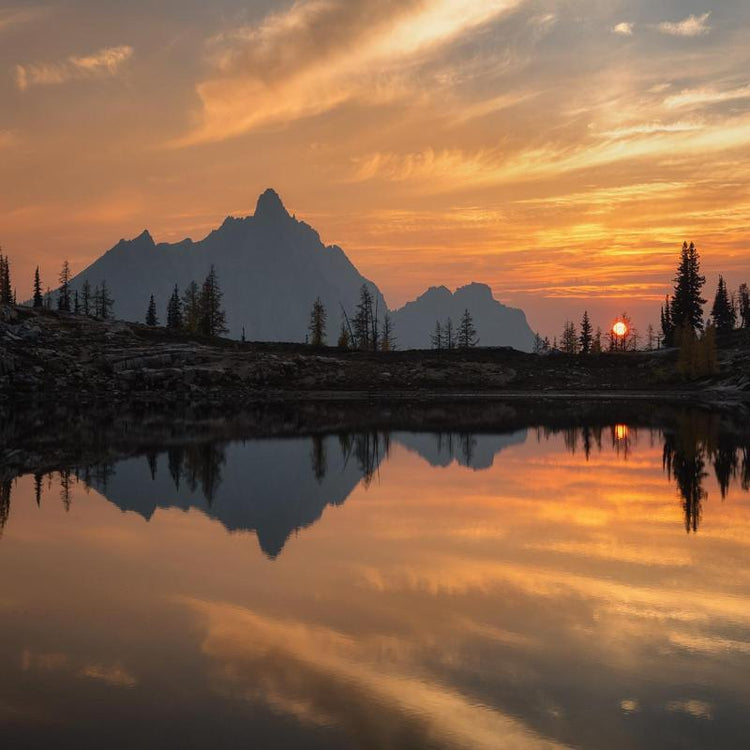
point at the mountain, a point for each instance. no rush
(496, 324)
(271, 267)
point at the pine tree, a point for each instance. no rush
(38, 296)
(467, 333)
(344, 342)
(538, 347)
(449, 335)
(174, 311)
(151, 318)
(436, 340)
(667, 326)
(744, 305)
(63, 295)
(596, 344)
(213, 318)
(687, 303)
(76, 303)
(317, 327)
(586, 338)
(86, 301)
(387, 336)
(6, 288)
(723, 312)
(191, 308)
(364, 319)
(569, 340)
(103, 302)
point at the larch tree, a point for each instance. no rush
(174, 311)
(103, 302)
(467, 333)
(191, 307)
(387, 335)
(723, 313)
(151, 317)
(38, 294)
(586, 339)
(63, 294)
(436, 339)
(317, 327)
(364, 320)
(569, 340)
(213, 317)
(449, 335)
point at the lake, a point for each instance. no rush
(536, 581)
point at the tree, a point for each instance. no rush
(667, 327)
(86, 301)
(344, 341)
(174, 311)
(650, 338)
(6, 288)
(596, 344)
(38, 296)
(449, 335)
(723, 313)
(365, 321)
(76, 303)
(103, 302)
(467, 334)
(569, 340)
(213, 317)
(538, 343)
(317, 327)
(744, 305)
(63, 294)
(191, 308)
(687, 303)
(151, 318)
(436, 339)
(387, 336)
(586, 338)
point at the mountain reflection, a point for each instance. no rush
(277, 487)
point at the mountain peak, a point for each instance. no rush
(270, 206)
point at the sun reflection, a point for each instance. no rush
(621, 431)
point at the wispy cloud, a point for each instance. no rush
(320, 54)
(623, 29)
(106, 62)
(706, 95)
(690, 26)
(16, 16)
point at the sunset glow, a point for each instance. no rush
(560, 152)
(620, 329)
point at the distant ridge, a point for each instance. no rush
(271, 267)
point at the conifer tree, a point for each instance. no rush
(343, 342)
(317, 327)
(63, 295)
(596, 344)
(213, 318)
(723, 313)
(387, 336)
(6, 288)
(743, 299)
(687, 303)
(174, 311)
(103, 302)
(467, 333)
(586, 338)
(191, 308)
(38, 296)
(449, 335)
(76, 303)
(151, 318)
(667, 326)
(569, 340)
(364, 320)
(86, 299)
(437, 336)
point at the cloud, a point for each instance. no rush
(623, 29)
(320, 54)
(690, 26)
(104, 63)
(706, 95)
(15, 16)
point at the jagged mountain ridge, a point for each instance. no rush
(271, 267)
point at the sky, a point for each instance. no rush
(558, 150)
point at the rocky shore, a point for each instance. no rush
(51, 357)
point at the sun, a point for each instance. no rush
(620, 329)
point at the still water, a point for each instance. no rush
(581, 587)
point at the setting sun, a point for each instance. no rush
(620, 329)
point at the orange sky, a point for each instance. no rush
(559, 151)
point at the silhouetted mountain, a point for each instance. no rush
(496, 324)
(271, 267)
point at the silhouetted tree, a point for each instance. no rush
(723, 313)
(151, 317)
(743, 300)
(667, 327)
(467, 333)
(6, 288)
(387, 336)
(191, 307)
(586, 338)
(687, 303)
(344, 342)
(569, 340)
(174, 311)
(365, 322)
(63, 294)
(38, 296)
(103, 302)
(86, 301)
(449, 335)
(437, 339)
(76, 303)
(213, 317)
(317, 327)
